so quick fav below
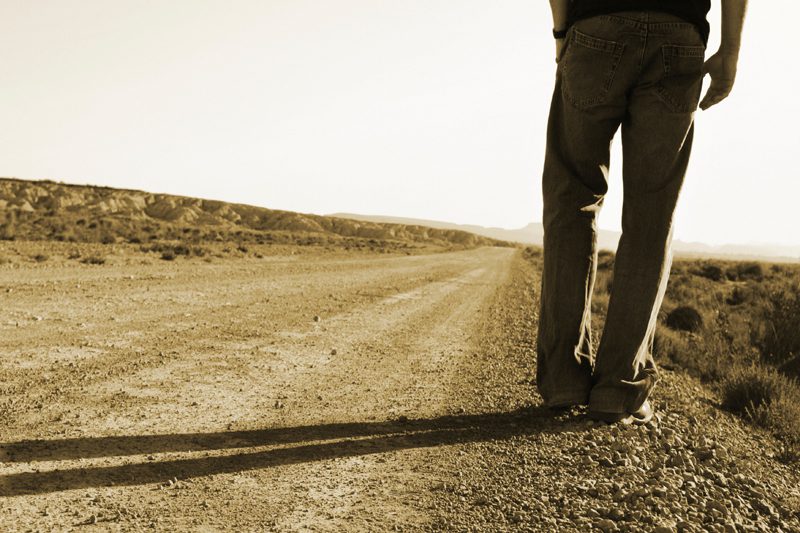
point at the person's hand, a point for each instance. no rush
(722, 69)
(559, 48)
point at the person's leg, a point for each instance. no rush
(586, 110)
(657, 139)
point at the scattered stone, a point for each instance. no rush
(606, 525)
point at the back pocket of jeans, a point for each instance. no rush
(588, 68)
(682, 82)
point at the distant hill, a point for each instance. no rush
(38, 210)
(533, 233)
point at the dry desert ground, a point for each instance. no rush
(323, 390)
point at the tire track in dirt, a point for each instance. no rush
(153, 325)
(400, 333)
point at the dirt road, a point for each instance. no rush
(320, 392)
(240, 378)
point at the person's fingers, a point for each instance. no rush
(717, 92)
(711, 99)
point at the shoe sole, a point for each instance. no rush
(641, 417)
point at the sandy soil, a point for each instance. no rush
(335, 392)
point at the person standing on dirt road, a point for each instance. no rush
(638, 65)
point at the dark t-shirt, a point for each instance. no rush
(694, 11)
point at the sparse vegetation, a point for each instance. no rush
(711, 271)
(736, 326)
(738, 296)
(744, 271)
(766, 398)
(778, 334)
(40, 258)
(94, 260)
(605, 260)
(532, 252)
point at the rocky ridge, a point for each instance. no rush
(49, 210)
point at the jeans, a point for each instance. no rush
(641, 71)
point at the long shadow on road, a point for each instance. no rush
(294, 445)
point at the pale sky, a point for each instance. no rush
(420, 108)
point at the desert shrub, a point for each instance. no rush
(791, 367)
(669, 345)
(93, 260)
(529, 252)
(605, 260)
(767, 399)
(108, 239)
(698, 356)
(778, 335)
(776, 269)
(738, 296)
(782, 416)
(168, 255)
(746, 389)
(751, 271)
(41, 258)
(685, 318)
(181, 249)
(134, 240)
(242, 248)
(7, 232)
(74, 254)
(710, 271)
(745, 271)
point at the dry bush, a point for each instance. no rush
(671, 345)
(530, 253)
(766, 398)
(704, 358)
(778, 335)
(685, 318)
(93, 260)
(746, 389)
(791, 367)
(745, 271)
(605, 260)
(739, 296)
(40, 258)
(710, 271)
(170, 251)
